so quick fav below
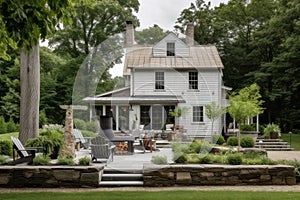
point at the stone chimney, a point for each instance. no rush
(129, 34)
(189, 34)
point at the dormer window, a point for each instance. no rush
(170, 49)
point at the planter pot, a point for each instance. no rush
(274, 135)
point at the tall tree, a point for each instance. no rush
(24, 23)
(150, 36)
(91, 40)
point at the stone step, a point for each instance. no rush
(269, 140)
(278, 149)
(122, 177)
(272, 146)
(271, 143)
(121, 183)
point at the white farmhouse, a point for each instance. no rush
(171, 75)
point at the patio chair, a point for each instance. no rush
(26, 154)
(101, 149)
(84, 142)
(106, 130)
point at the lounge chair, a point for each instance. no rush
(26, 154)
(84, 142)
(101, 149)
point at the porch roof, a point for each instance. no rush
(135, 100)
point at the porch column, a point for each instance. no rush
(104, 110)
(117, 117)
(257, 123)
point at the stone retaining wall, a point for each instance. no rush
(50, 176)
(184, 175)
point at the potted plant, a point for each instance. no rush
(272, 131)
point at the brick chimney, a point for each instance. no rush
(189, 33)
(129, 34)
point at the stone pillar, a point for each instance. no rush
(69, 140)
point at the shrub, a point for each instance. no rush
(48, 144)
(3, 160)
(159, 160)
(178, 147)
(6, 147)
(2, 125)
(42, 118)
(65, 161)
(79, 124)
(234, 159)
(86, 133)
(53, 127)
(84, 161)
(180, 157)
(232, 141)
(92, 126)
(11, 126)
(195, 146)
(41, 160)
(218, 139)
(247, 127)
(247, 142)
(206, 159)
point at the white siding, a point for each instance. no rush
(181, 49)
(176, 83)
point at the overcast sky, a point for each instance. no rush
(164, 12)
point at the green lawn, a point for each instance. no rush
(295, 140)
(6, 136)
(173, 194)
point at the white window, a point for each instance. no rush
(159, 80)
(197, 113)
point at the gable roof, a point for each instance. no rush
(194, 57)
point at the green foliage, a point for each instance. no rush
(65, 161)
(179, 157)
(79, 124)
(213, 111)
(178, 147)
(11, 126)
(42, 118)
(150, 36)
(195, 146)
(41, 160)
(178, 112)
(246, 103)
(234, 159)
(159, 160)
(232, 141)
(92, 126)
(6, 147)
(3, 127)
(86, 133)
(48, 144)
(3, 159)
(218, 139)
(84, 161)
(272, 128)
(247, 142)
(248, 127)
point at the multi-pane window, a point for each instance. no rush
(197, 113)
(170, 49)
(193, 80)
(159, 80)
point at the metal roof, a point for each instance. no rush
(201, 56)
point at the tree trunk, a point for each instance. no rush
(30, 93)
